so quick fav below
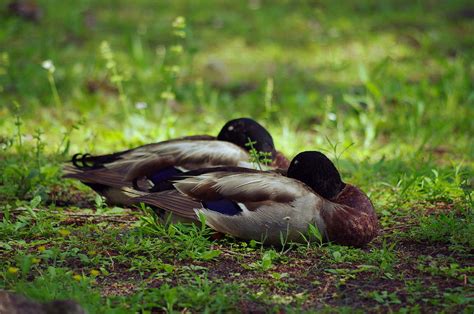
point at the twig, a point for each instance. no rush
(111, 260)
(325, 289)
(104, 217)
(235, 253)
(107, 219)
(407, 225)
(94, 215)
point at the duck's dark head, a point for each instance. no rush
(239, 131)
(318, 172)
(350, 217)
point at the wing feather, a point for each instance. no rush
(112, 178)
(144, 160)
(172, 201)
(190, 154)
(242, 187)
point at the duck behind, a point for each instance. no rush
(156, 162)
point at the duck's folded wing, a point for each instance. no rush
(172, 201)
(242, 187)
(196, 138)
(190, 154)
(96, 161)
(248, 205)
(105, 176)
(150, 158)
(248, 187)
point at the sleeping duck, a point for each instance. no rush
(252, 204)
(156, 162)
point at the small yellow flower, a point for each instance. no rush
(173, 69)
(177, 49)
(179, 22)
(92, 253)
(64, 232)
(168, 95)
(77, 277)
(36, 260)
(95, 272)
(180, 34)
(13, 270)
(41, 248)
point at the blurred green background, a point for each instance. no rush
(394, 79)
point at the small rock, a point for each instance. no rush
(26, 9)
(16, 304)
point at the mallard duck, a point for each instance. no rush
(251, 204)
(108, 174)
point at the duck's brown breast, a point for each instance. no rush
(350, 218)
(280, 161)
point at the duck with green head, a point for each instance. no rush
(108, 174)
(259, 205)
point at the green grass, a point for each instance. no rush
(383, 87)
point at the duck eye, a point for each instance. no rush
(230, 128)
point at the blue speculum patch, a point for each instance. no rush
(224, 206)
(163, 175)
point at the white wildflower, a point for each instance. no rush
(141, 105)
(48, 65)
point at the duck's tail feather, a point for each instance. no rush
(102, 176)
(133, 193)
(171, 201)
(88, 161)
(70, 171)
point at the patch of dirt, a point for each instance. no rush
(118, 288)
(82, 219)
(70, 197)
(120, 282)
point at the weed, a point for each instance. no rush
(385, 297)
(115, 77)
(185, 240)
(260, 159)
(267, 261)
(48, 65)
(200, 293)
(443, 267)
(456, 230)
(313, 236)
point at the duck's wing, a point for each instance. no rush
(189, 154)
(112, 177)
(197, 138)
(244, 186)
(126, 166)
(239, 185)
(244, 204)
(171, 201)
(103, 176)
(97, 161)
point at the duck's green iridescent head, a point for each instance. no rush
(318, 172)
(239, 131)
